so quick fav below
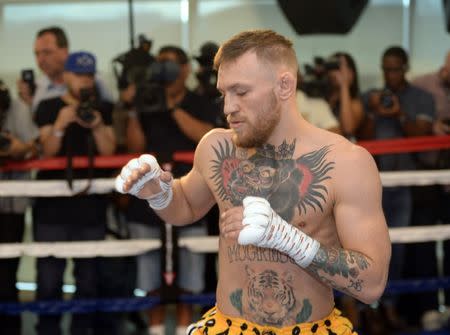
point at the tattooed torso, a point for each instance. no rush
(264, 285)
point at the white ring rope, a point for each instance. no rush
(55, 188)
(199, 244)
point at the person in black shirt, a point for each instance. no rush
(63, 132)
(178, 126)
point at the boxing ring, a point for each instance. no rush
(107, 248)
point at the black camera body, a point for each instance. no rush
(28, 77)
(151, 89)
(150, 77)
(328, 64)
(5, 103)
(88, 103)
(315, 81)
(386, 98)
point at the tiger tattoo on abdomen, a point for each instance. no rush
(269, 298)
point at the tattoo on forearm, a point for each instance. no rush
(339, 262)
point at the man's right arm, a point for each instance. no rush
(178, 202)
(51, 134)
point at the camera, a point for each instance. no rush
(316, 82)
(207, 75)
(28, 77)
(328, 64)
(139, 67)
(150, 90)
(386, 98)
(88, 104)
(5, 103)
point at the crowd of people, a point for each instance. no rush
(71, 112)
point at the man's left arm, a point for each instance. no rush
(192, 127)
(359, 267)
(102, 130)
(424, 116)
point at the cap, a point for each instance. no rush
(80, 62)
(207, 52)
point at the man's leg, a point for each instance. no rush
(50, 270)
(11, 231)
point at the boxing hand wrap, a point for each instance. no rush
(157, 201)
(264, 228)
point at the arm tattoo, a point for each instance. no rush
(339, 262)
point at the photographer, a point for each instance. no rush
(207, 81)
(344, 97)
(17, 135)
(77, 123)
(177, 124)
(398, 110)
(435, 198)
(51, 49)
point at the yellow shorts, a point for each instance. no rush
(214, 322)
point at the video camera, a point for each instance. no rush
(137, 66)
(5, 103)
(315, 81)
(207, 75)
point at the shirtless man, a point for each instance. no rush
(300, 207)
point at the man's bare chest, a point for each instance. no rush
(299, 188)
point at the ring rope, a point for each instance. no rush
(413, 144)
(200, 244)
(393, 287)
(54, 188)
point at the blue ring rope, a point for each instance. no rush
(209, 299)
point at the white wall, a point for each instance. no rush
(102, 27)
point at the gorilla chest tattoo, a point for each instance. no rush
(272, 173)
(293, 186)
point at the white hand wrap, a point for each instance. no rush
(157, 201)
(265, 228)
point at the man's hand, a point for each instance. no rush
(96, 121)
(441, 127)
(343, 74)
(66, 116)
(24, 91)
(258, 224)
(144, 178)
(230, 223)
(377, 106)
(15, 149)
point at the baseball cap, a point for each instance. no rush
(80, 62)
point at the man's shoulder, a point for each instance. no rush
(418, 92)
(215, 141)
(213, 137)
(341, 150)
(426, 79)
(50, 103)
